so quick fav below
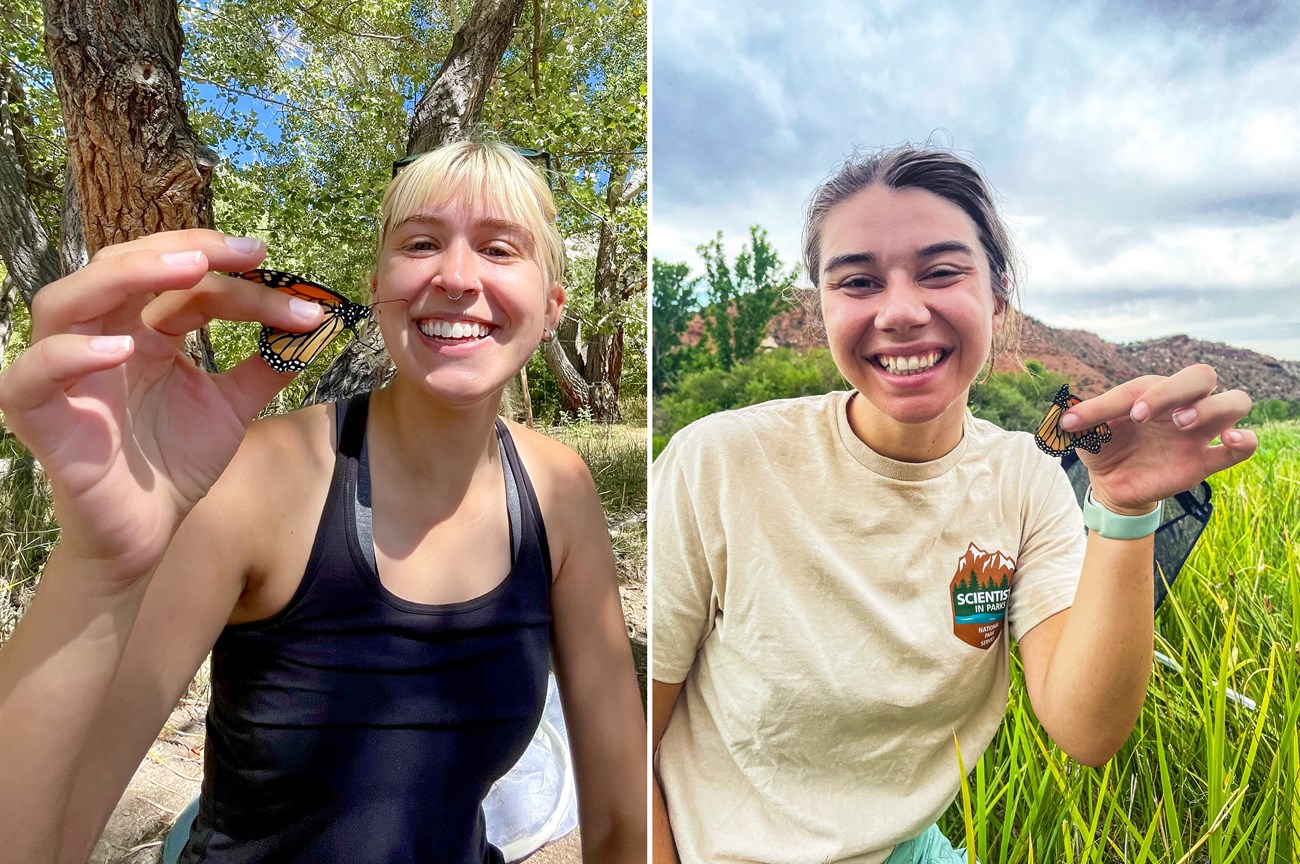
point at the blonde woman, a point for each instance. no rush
(380, 581)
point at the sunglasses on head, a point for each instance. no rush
(540, 158)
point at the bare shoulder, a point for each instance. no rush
(282, 444)
(282, 468)
(566, 493)
(554, 468)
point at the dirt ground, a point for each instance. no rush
(172, 773)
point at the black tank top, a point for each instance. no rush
(355, 726)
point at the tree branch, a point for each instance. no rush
(455, 98)
(24, 246)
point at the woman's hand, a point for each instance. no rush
(1161, 433)
(129, 431)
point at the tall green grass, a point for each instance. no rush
(1204, 777)
(616, 456)
(27, 529)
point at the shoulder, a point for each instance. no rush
(567, 496)
(554, 468)
(284, 460)
(1008, 450)
(727, 434)
(281, 446)
(267, 500)
(1043, 489)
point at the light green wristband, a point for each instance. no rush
(1116, 527)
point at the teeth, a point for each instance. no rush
(909, 365)
(458, 330)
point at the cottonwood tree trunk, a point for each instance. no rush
(6, 314)
(447, 113)
(589, 379)
(455, 99)
(29, 258)
(132, 155)
(133, 160)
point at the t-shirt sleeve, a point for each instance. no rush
(1051, 551)
(687, 554)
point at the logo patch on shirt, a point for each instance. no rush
(980, 589)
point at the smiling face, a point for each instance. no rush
(910, 315)
(477, 299)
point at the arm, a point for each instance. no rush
(663, 698)
(1087, 668)
(186, 603)
(228, 537)
(602, 707)
(131, 436)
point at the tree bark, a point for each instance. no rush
(25, 248)
(6, 314)
(598, 392)
(567, 369)
(72, 240)
(132, 155)
(134, 164)
(446, 113)
(455, 99)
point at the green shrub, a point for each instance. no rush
(779, 374)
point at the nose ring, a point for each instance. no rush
(459, 294)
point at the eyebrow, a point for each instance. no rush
(850, 258)
(930, 251)
(489, 222)
(944, 247)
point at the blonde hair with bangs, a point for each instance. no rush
(482, 175)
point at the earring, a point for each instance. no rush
(548, 334)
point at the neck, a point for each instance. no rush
(907, 442)
(432, 440)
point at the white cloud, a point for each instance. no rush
(1136, 148)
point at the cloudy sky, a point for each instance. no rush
(1147, 156)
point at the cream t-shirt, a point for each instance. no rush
(836, 617)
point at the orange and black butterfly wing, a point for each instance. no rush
(1093, 438)
(1050, 437)
(292, 352)
(1055, 441)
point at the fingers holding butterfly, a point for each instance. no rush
(174, 314)
(1162, 431)
(291, 350)
(119, 416)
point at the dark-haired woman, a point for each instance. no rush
(836, 577)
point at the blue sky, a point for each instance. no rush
(1147, 157)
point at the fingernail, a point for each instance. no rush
(305, 309)
(1069, 422)
(1232, 436)
(1140, 412)
(182, 259)
(244, 245)
(1184, 416)
(110, 344)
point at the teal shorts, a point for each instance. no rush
(930, 848)
(179, 835)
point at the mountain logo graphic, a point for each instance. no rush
(980, 589)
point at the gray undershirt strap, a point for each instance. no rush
(365, 521)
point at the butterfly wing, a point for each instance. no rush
(286, 351)
(293, 352)
(1055, 441)
(1050, 437)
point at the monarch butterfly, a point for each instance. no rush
(1055, 441)
(292, 352)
